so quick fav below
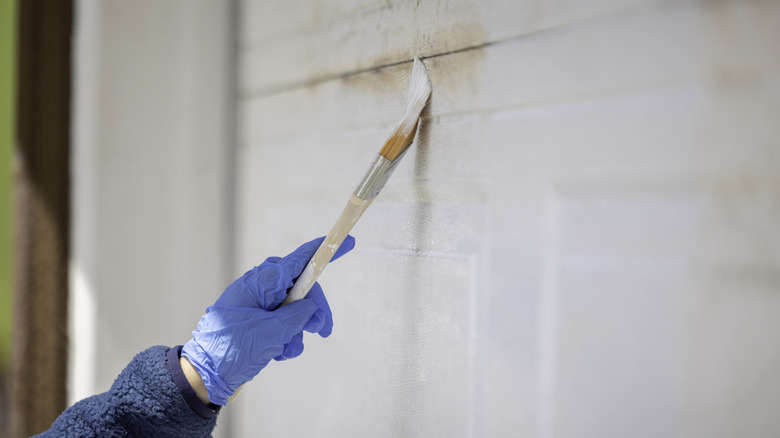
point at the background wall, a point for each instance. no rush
(582, 241)
(152, 162)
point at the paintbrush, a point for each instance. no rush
(372, 183)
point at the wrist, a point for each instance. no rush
(195, 380)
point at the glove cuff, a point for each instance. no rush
(200, 360)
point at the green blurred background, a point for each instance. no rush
(7, 74)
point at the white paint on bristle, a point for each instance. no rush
(419, 91)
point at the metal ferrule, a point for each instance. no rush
(378, 173)
(374, 179)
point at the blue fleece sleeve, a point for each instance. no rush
(147, 399)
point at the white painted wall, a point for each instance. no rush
(582, 243)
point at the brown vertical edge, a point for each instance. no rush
(41, 214)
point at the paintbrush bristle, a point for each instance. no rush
(403, 133)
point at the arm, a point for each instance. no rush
(145, 400)
(179, 391)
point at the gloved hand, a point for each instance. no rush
(240, 334)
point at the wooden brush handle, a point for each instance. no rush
(352, 212)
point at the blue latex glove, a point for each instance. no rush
(240, 334)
